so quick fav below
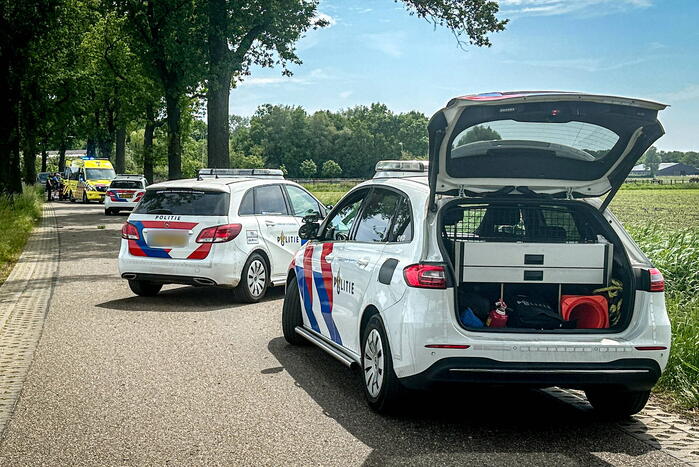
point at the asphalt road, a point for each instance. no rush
(192, 377)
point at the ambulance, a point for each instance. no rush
(87, 179)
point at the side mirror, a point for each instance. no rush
(309, 231)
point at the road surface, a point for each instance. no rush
(192, 377)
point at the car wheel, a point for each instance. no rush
(254, 280)
(291, 314)
(71, 197)
(85, 200)
(615, 403)
(108, 212)
(145, 288)
(382, 389)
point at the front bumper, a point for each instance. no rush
(628, 373)
(95, 195)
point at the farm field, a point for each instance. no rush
(664, 221)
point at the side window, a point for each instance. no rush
(301, 202)
(402, 230)
(340, 222)
(269, 200)
(246, 205)
(377, 215)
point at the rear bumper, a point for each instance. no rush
(122, 205)
(630, 374)
(169, 278)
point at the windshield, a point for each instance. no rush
(100, 174)
(184, 202)
(572, 139)
(127, 184)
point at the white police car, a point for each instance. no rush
(229, 227)
(405, 276)
(124, 193)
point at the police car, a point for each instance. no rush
(124, 193)
(228, 227)
(496, 262)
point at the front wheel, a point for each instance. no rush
(382, 389)
(615, 403)
(71, 197)
(291, 315)
(145, 288)
(253, 281)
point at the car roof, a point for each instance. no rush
(219, 184)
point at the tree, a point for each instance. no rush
(651, 160)
(479, 133)
(331, 169)
(169, 36)
(308, 168)
(264, 33)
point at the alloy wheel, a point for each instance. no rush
(373, 363)
(257, 277)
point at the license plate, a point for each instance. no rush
(127, 195)
(171, 239)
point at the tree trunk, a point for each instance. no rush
(91, 147)
(174, 136)
(29, 158)
(120, 158)
(148, 151)
(219, 81)
(62, 156)
(44, 155)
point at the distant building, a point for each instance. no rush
(674, 169)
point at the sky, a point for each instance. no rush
(373, 51)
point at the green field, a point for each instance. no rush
(664, 221)
(19, 214)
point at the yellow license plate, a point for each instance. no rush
(170, 239)
(127, 195)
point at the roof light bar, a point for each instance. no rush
(226, 173)
(402, 166)
(130, 175)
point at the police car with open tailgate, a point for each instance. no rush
(229, 227)
(498, 263)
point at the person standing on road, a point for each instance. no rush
(49, 187)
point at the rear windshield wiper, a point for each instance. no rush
(159, 211)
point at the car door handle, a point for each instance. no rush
(270, 223)
(329, 258)
(362, 263)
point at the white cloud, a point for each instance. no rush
(329, 19)
(345, 94)
(689, 92)
(591, 65)
(562, 7)
(390, 43)
(315, 75)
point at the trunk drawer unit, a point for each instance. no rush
(542, 263)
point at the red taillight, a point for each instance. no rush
(429, 276)
(447, 346)
(652, 347)
(129, 231)
(657, 281)
(219, 234)
(112, 195)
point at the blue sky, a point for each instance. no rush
(375, 52)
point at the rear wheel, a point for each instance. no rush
(615, 403)
(254, 280)
(291, 314)
(108, 212)
(145, 288)
(382, 389)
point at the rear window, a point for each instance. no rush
(184, 203)
(127, 184)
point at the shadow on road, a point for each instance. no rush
(459, 425)
(186, 299)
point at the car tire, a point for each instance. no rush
(254, 280)
(108, 212)
(291, 314)
(145, 288)
(85, 200)
(615, 403)
(382, 389)
(70, 197)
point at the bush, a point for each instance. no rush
(308, 168)
(331, 169)
(19, 214)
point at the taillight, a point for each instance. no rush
(429, 276)
(657, 281)
(129, 231)
(219, 234)
(112, 195)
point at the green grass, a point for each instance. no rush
(19, 214)
(664, 221)
(329, 193)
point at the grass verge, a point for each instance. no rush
(19, 214)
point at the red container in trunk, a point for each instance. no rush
(590, 311)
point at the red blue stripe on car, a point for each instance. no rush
(324, 286)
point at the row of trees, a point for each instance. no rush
(89, 70)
